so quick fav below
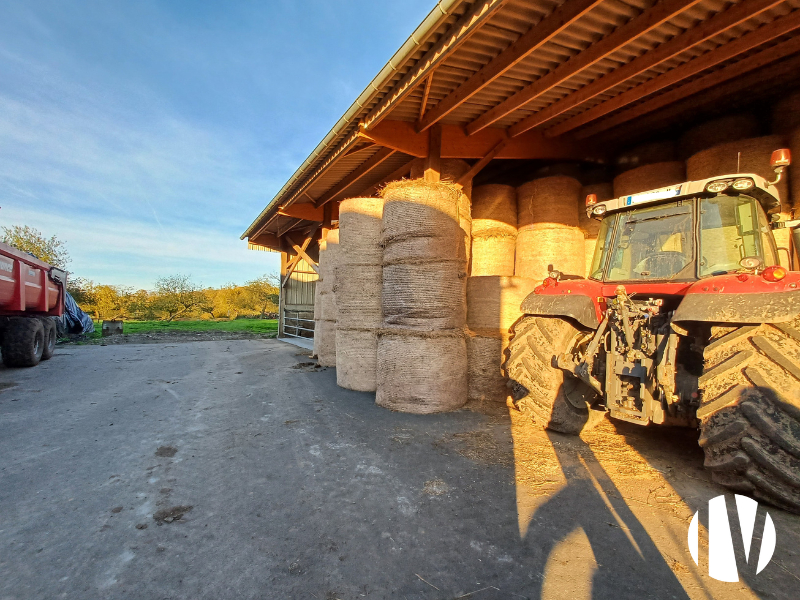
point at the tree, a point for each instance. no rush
(51, 250)
(177, 295)
(264, 293)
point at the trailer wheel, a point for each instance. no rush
(50, 337)
(23, 342)
(750, 411)
(556, 401)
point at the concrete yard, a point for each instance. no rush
(300, 489)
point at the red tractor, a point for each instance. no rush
(686, 318)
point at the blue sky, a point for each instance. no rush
(147, 135)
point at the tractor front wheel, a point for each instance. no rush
(555, 400)
(750, 410)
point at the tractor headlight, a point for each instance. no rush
(718, 186)
(599, 210)
(743, 184)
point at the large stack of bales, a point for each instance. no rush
(722, 130)
(325, 301)
(548, 231)
(422, 356)
(590, 227)
(493, 306)
(786, 122)
(649, 177)
(494, 230)
(358, 292)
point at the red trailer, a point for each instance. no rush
(31, 294)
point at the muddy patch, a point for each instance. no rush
(435, 487)
(171, 514)
(166, 451)
(308, 367)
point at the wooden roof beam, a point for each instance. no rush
(720, 22)
(622, 35)
(763, 34)
(539, 34)
(365, 168)
(458, 33)
(306, 211)
(394, 176)
(479, 166)
(731, 71)
(301, 250)
(425, 93)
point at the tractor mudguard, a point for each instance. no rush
(576, 299)
(751, 299)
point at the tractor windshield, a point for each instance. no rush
(731, 228)
(648, 243)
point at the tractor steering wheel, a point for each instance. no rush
(665, 264)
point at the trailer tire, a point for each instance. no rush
(750, 410)
(50, 337)
(23, 342)
(556, 401)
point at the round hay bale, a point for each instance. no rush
(421, 221)
(786, 114)
(794, 172)
(493, 303)
(317, 302)
(722, 130)
(325, 343)
(493, 255)
(328, 256)
(327, 306)
(743, 156)
(548, 200)
(494, 210)
(541, 245)
(425, 295)
(360, 224)
(420, 372)
(647, 154)
(649, 177)
(589, 226)
(358, 296)
(356, 359)
(485, 357)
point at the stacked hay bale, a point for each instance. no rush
(358, 292)
(589, 226)
(325, 301)
(422, 355)
(729, 128)
(786, 122)
(746, 156)
(548, 232)
(493, 306)
(494, 230)
(649, 177)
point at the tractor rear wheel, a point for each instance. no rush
(23, 342)
(750, 410)
(555, 400)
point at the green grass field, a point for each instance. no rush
(263, 326)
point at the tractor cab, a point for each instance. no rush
(688, 231)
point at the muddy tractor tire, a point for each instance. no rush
(750, 411)
(552, 398)
(23, 342)
(50, 337)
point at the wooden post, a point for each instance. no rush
(433, 162)
(282, 293)
(327, 211)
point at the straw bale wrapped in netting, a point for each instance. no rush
(356, 358)
(358, 296)
(589, 226)
(548, 200)
(485, 357)
(647, 154)
(493, 303)
(328, 259)
(425, 295)
(649, 177)
(360, 223)
(421, 221)
(325, 342)
(328, 310)
(718, 131)
(786, 114)
(494, 230)
(794, 172)
(539, 246)
(751, 155)
(421, 372)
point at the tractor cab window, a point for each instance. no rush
(731, 228)
(653, 243)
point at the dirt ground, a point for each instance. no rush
(238, 469)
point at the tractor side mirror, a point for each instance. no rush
(779, 160)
